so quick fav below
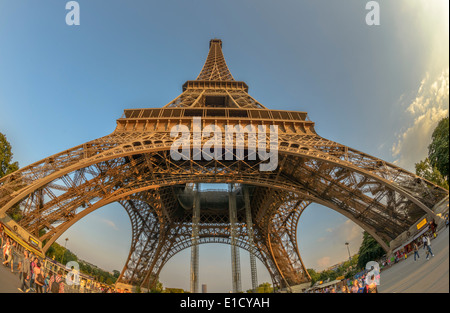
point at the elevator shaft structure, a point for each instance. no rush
(195, 241)
(252, 251)
(235, 255)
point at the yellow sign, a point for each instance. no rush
(33, 241)
(422, 223)
(23, 243)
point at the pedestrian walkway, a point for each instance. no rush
(424, 276)
(9, 282)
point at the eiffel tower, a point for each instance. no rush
(171, 210)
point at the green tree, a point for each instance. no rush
(314, 275)
(7, 166)
(426, 170)
(158, 288)
(328, 275)
(370, 250)
(438, 149)
(264, 288)
(116, 273)
(60, 254)
(109, 281)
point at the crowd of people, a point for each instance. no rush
(30, 268)
(358, 285)
(426, 241)
(35, 277)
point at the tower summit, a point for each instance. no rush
(215, 67)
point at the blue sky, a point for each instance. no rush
(378, 89)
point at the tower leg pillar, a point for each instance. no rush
(235, 259)
(194, 248)
(248, 215)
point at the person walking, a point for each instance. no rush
(433, 226)
(356, 286)
(32, 273)
(429, 247)
(39, 277)
(416, 251)
(6, 250)
(8, 254)
(56, 283)
(19, 270)
(13, 255)
(1, 240)
(344, 289)
(424, 241)
(372, 287)
(47, 283)
(26, 273)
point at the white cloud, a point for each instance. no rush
(344, 232)
(110, 224)
(351, 231)
(324, 262)
(430, 105)
(321, 239)
(333, 242)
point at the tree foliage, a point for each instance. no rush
(346, 269)
(168, 290)
(426, 170)
(370, 250)
(7, 166)
(63, 255)
(158, 288)
(438, 149)
(60, 254)
(313, 274)
(262, 288)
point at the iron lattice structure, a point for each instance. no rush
(133, 166)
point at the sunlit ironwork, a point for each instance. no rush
(133, 166)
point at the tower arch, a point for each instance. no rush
(133, 166)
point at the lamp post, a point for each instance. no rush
(65, 245)
(348, 249)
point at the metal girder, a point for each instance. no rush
(235, 257)
(194, 249)
(250, 234)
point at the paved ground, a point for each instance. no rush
(424, 276)
(9, 282)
